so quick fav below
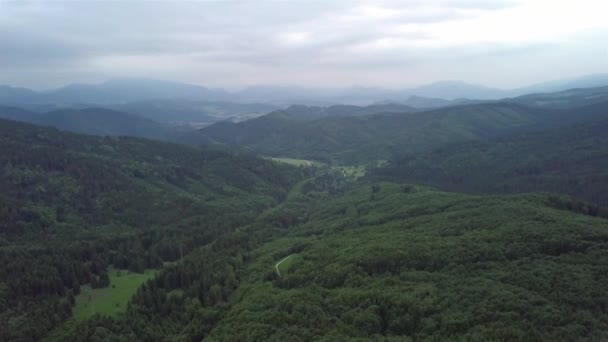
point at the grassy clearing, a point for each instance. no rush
(296, 162)
(111, 300)
(353, 171)
(296, 190)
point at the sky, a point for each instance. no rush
(310, 43)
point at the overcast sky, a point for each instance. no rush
(502, 43)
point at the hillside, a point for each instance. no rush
(97, 121)
(301, 112)
(570, 159)
(566, 99)
(183, 111)
(110, 92)
(387, 261)
(585, 81)
(225, 246)
(72, 205)
(355, 140)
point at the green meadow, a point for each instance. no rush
(110, 300)
(296, 162)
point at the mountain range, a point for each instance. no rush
(122, 91)
(96, 121)
(566, 156)
(361, 139)
(345, 134)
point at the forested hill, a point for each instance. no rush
(60, 176)
(386, 262)
(73, 205)
(229, 246)
(572, 159)
(570, 98)
(311, 112)
(389, 262)
(355, 140)
(98, 121)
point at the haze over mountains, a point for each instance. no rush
(122, 91)
(383, 130)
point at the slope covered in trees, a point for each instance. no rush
(314, 112)
(72, 205)
(386, 261)
(355, 140)
(366, 259)
(572, 159)
(98, 121)
(183, 111)
(570, 98)
(405, 262)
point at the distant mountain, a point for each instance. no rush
(113, 91)
(426, 102)
(97, 121)
(100, 121)
(432, 95)
(18, 114)
(362, 96)
(587, 81)
(315, 112)
(13, 95)
(196, 112)
(286, 95)
(564, 99)
(421, 102)
(571, 159)
(450, 90)
(355, 135)
(126, 90)
(123, 91)
(360, 139)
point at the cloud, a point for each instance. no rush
(339, 42)
(26, 49)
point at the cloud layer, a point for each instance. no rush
(313, 43)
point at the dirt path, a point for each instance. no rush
(278, 263)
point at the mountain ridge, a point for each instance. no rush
(125, 90)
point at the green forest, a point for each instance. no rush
(71, 206)
(477, 222)
(295, 171)
(568, 159)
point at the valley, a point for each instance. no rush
(295, 171)
(471, 220)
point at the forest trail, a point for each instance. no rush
(279, 263)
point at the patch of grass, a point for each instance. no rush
(175, 293)
(381, 163)
(110, 300)
(353, 171)
(296, 162)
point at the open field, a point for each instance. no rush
(296, 162)
(353, 171)
(111, 300)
